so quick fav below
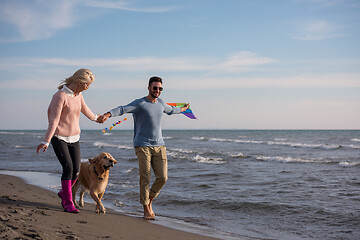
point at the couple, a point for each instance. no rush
(64, 134)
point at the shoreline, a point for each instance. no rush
(42, 181)
(31, 212)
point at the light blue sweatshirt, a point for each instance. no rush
(147, 120)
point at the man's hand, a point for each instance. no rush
(103, 118)
(186, 107)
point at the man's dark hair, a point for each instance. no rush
(155, 79)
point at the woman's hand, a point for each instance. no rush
(103, 118)
(41, 146)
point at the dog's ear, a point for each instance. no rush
(111, 158)
(93, 160)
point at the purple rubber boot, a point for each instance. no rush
(66, 196)
(61, 193)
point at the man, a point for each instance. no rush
(148, 141)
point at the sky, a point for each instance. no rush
(241, 64)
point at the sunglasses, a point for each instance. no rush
(156, 88)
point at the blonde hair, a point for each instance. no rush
(81, 75)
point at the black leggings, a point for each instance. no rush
(69, 157)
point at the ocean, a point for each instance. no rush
(235, 184)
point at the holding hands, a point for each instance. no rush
(103, 118)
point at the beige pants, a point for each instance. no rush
(154, 157)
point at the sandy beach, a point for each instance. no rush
(30, 212)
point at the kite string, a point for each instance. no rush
(110, 128)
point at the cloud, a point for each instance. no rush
(179, 75)
(334, 80)
(123, 5)
(316, 30)
(324, 2)
(37, 20)
(235, 62)
(41, 19)
(28, 84)
(241, 60)
(205, 73)
(130, 64)
(331, 104)
(332, 3)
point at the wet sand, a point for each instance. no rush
(30, 212)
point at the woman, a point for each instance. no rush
(64, 131)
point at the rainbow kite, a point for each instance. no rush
(110, 128)
(188, 111)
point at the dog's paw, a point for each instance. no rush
(76, 205)
(100, 210)
(81, 203)
(103, 211)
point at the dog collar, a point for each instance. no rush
(97, 174)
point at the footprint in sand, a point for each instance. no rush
(32, 234)
(42, 213)
(69, 235)
(9, 198)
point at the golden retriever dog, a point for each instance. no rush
(93, 178)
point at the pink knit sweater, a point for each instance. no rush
(64, 113)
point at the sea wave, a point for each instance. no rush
(189, 155)
(129, 170)
(227, 204)
(302, 160)
(352, 146)
(209, 160)
(55, 187)
(237, 155)
(24, 147)
(12, 133)
(280, 139)
(280, 142)
(355, 139)
(199, 138)
(306, 145)
(176, 155)
(126, 184)
(349, 164)
(291, 159)
(236, 140)
(181, 150)
(102, 144)
(118, 203)
(221, 139)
